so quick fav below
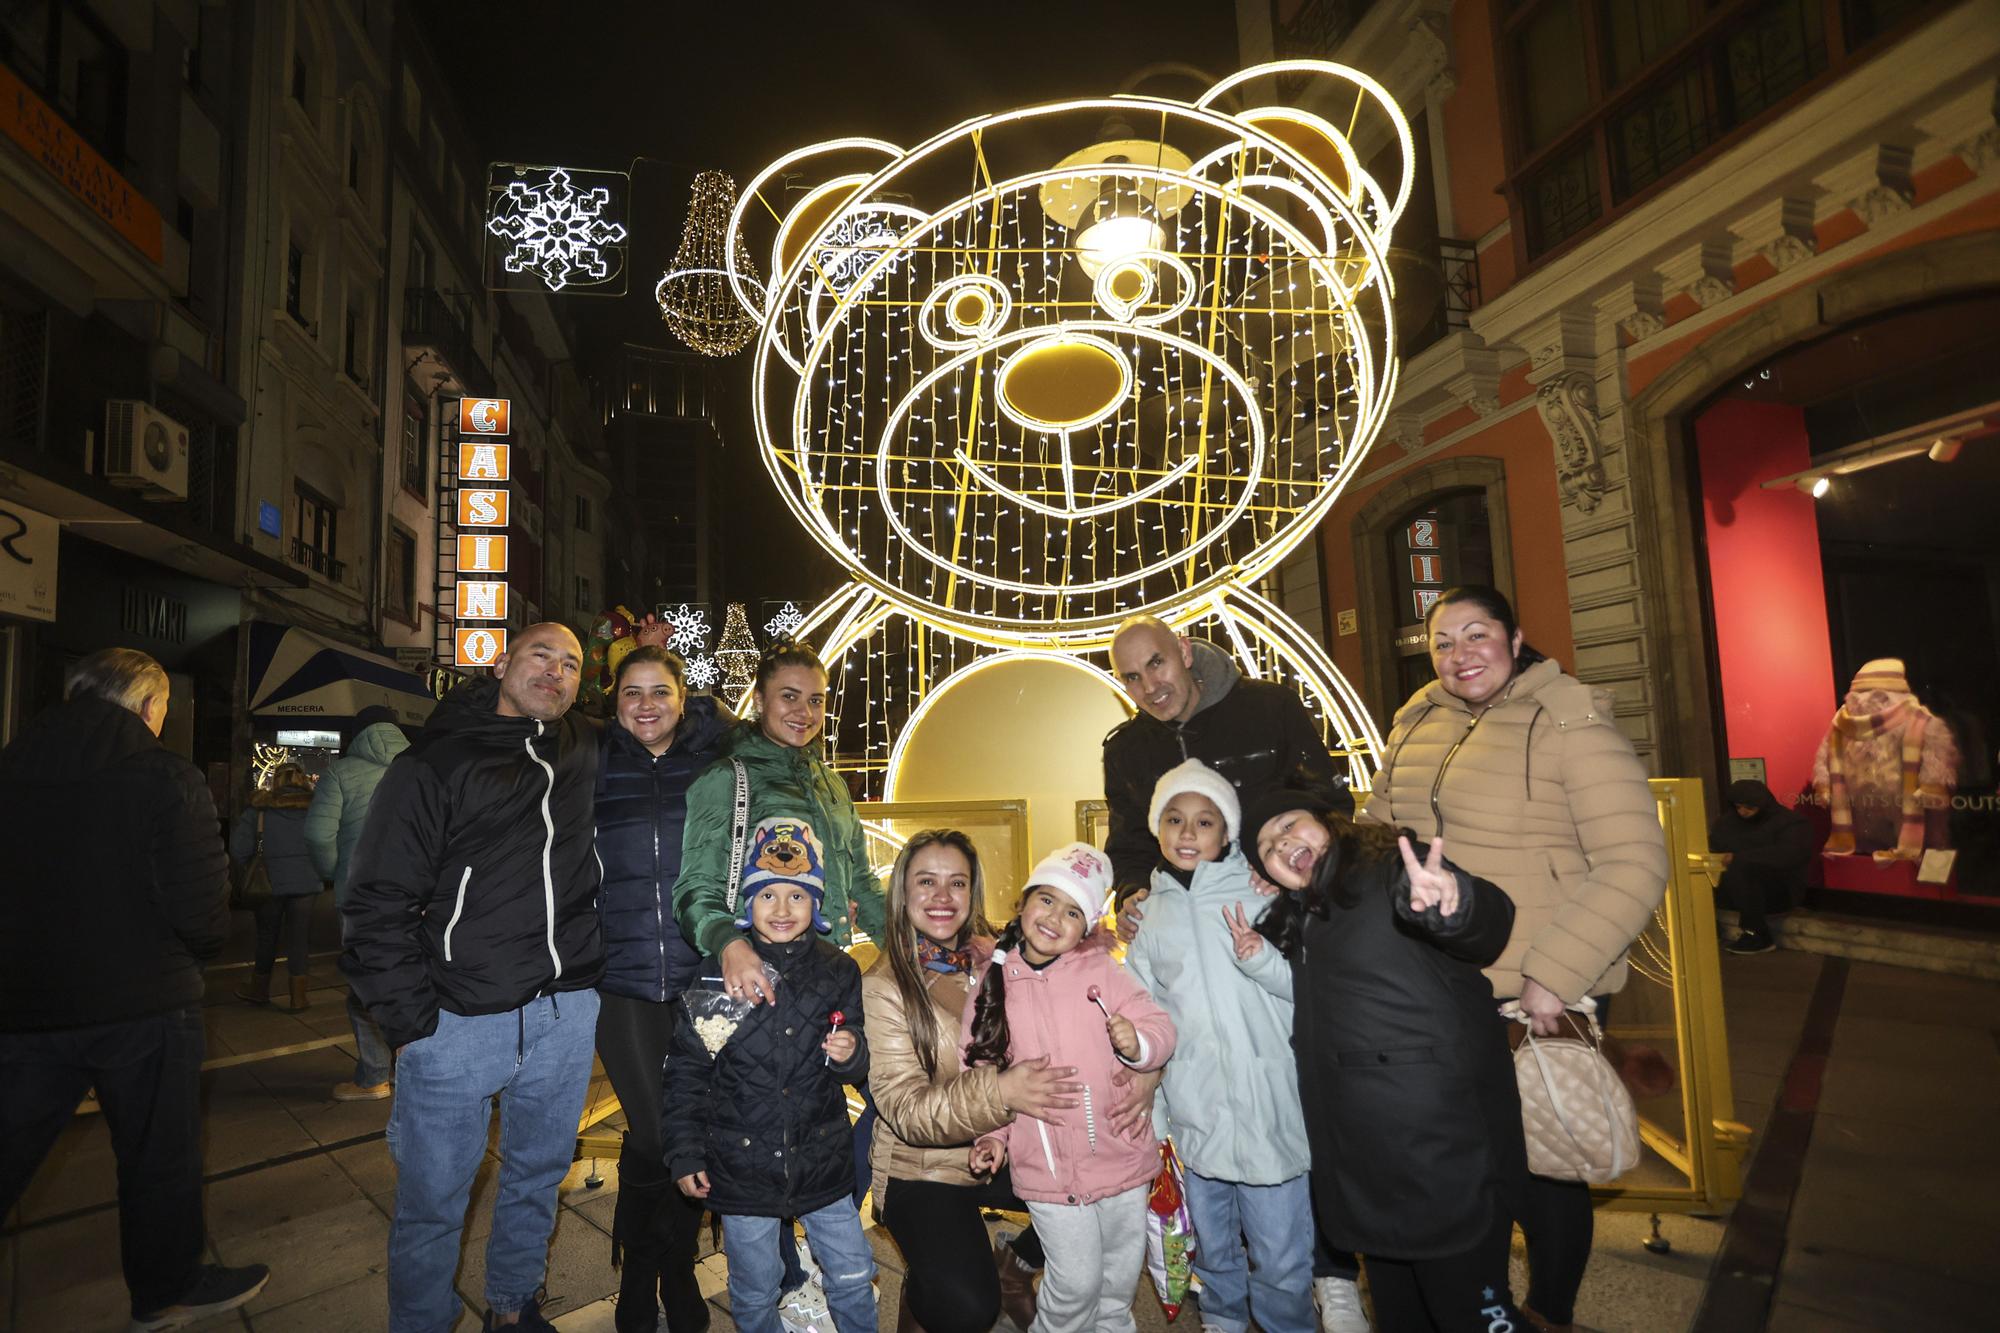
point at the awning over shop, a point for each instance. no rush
(298, 676)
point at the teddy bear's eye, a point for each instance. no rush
(965, 311)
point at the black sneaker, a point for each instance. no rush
(531, 1318)
(1751, 941)
(213, 1290)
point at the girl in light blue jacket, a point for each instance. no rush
(1231, 1095)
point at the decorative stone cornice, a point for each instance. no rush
(1874, 184)
(1568, 405)
(1560, 343)
(1781, 231)
(1982, 151)
(1406, 431)
(1703, 271)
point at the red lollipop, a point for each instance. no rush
(1096, 997)
(836, 1018)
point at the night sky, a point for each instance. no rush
(732, 86)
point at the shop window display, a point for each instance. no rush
(1853, 594)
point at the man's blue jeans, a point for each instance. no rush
(536, 1059)
(1273, 1281)
(846, 1265)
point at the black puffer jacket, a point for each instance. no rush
(765, 1116)
(1775, 843)
(115, 889)
(474, 885)
(1256, 733)
(641, 805)
(1408, 1090)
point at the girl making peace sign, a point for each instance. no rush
(1407, 1087)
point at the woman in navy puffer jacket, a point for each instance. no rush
(662, 739)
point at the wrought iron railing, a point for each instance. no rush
(430, 320)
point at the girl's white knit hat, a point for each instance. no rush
(1079, 872)
(1195, 776)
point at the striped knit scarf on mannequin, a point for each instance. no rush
(1908, 717)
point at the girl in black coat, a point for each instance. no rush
(1409, 1095)
(660, 741)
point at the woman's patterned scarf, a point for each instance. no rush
(934, 957)
(1908, 717)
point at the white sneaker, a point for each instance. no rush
(803, 1310)
(1339, 1302)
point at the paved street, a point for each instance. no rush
(1886, 1217)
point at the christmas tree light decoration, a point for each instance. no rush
(737, 652)
(1021, 399)
(702, 673)
(785, 621)
(690, 628)
(695, 295)
(560, 225)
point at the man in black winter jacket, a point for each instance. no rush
(472, 937)
(1194, 704)
(114, 897)
(1765, 850)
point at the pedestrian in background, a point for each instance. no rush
(334, 821)
(115, 895)
(274, 827)
(1765, 850)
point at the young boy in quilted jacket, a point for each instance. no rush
(755, 1121)
(1052, 989)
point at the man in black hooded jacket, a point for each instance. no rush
(1765, 850)
(114, 897)
(472, 937)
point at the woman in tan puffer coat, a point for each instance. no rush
(1522, 770)
(931, 1109)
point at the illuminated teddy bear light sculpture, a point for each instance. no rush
(1021, 399)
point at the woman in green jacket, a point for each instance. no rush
(777, 748)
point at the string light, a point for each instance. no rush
(737, 652)
(695, 295)
(1011, 451)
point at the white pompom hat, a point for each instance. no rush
(1197, 777)
(1079, 872)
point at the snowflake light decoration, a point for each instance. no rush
(702, 673)
(691, 630)
(785, 622)
(556, 231)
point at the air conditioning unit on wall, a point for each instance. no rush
(145, 449)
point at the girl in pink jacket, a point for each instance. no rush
(1052, 989)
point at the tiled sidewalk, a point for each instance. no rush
(1891, 1227)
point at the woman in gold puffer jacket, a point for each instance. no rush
(1522, 770)
(931, 1109)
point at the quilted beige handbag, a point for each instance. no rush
(1579, 1119)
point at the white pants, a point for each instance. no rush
(1095, 1251)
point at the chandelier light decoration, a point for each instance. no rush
(1020, 400)
(558, 227)
(695, 295)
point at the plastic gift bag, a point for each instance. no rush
(1170, 1238)
(715, 1013)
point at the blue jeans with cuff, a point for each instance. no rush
(1271, 1280)
(536, 1059)
(846, 1265)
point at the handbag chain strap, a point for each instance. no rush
(739, 829)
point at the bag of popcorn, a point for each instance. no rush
(715, 1013)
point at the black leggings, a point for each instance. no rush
(289, 916)
(949, 1276)
(1460, 1293)
(632, 1039)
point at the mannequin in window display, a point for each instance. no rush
(1884, 764)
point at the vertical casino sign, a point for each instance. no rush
(483, 500)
